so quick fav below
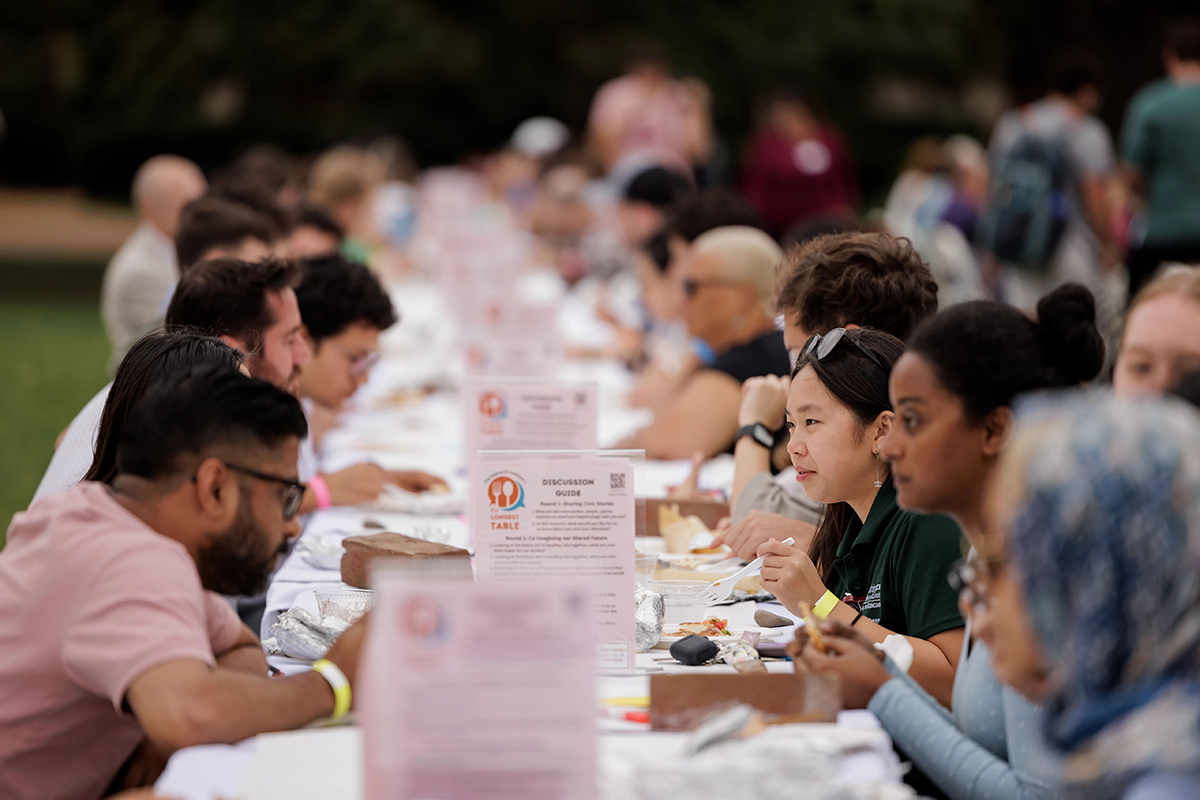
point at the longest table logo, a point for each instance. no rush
(492, 405)
(506, 493)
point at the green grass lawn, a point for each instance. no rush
(53, 360)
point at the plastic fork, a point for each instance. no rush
(720, 591)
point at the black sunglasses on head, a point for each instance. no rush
(818, 347)
(292, 497)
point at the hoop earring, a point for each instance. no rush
(878, 482)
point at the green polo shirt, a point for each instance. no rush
(893, 568)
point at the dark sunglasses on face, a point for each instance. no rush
(691, 286)
(820, 346)
(292, 497)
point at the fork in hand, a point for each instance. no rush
(720, 591)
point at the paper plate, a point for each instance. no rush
(425, 504)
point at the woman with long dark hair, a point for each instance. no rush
(870, 565)
(92, 436)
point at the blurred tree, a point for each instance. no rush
(91, 88)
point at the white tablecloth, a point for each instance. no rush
(427, 433)
(325, 763)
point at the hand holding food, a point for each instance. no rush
(811, 626)
(847, 653)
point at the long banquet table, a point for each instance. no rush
(397, 423)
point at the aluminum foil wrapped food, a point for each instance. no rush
(301, 634)
(648, 617)
(322, 552)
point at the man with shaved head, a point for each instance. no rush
(141, 276)
(728, 279)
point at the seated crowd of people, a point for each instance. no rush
(886, 434)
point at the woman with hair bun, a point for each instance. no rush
(952, 392)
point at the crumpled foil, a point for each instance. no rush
(648, 618)
(322, 552)
(301, 634)
(757, 767)
(742, 756)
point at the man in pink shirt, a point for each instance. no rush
(117, 649)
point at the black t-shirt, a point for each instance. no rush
(765, 355)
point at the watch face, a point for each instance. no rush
(763, 436)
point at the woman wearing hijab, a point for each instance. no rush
(1092, 587)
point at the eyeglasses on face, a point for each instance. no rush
(819, 346)
(293, 494)
(361, 365)
(969, 576)
(692, 286)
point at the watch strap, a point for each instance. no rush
(759, 433)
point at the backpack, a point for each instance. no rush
(1026, 212)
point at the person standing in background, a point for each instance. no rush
(1162, 160)
(141, 276)
(1047, 220)
(642, 117)
(798, 170)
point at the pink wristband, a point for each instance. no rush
(320, 490)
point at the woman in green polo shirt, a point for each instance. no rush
(952, 391)
(870, 565)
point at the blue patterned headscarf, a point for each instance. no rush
(1106, 537)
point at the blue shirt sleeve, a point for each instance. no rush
(960, 767)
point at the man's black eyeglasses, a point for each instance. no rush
(819, 347)
(292, 497)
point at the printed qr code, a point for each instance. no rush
(616, 480)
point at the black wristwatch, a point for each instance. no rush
(759, 433)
